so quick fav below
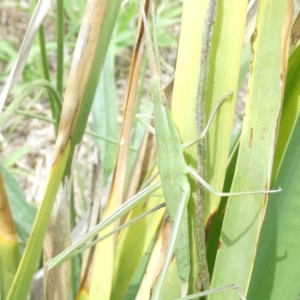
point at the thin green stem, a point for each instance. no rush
(204, 277)
(42, 42)
(60, 45)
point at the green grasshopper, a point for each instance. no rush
(174, 182)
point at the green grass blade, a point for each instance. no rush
(244, 214)
(104, 111)
(60, 46)
(291, 107)
(9, 244)
(23, 213)
(22, 281)
(135, 239)
(276, 269)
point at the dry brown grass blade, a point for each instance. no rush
(143, 163)
(81, 69)
(118, 182)
(116, 195)
(156, 261)
(295, 34)
(58, 237)
(94, 216)
(41, 10)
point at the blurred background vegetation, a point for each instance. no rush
(96, 111)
